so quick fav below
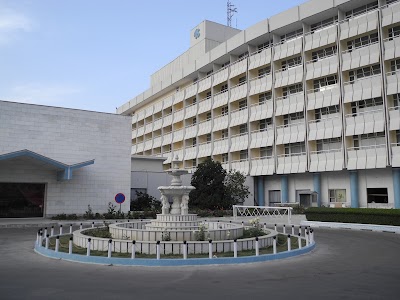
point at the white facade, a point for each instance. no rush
(306, 101)
(67, 136)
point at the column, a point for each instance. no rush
(396, 187)
(317, 187)
(284, 189)
(354, 189)
(260, 191)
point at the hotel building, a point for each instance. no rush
(305, 103)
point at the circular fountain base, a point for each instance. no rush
(174, 222)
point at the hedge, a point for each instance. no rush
(354, 215)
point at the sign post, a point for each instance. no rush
(120, 198)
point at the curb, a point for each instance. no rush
(353, 226)
(101, 260)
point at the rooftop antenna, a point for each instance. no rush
(230, 11)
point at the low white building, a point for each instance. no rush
(57, 160)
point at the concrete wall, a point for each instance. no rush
(69, 136)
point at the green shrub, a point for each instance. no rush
(354, 215)
(101, 232)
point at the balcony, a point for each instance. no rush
(328, 128)
(148, 144)
(191, 131)
(290, 76)
(220, 146)
(133, 149)
(191, 111)
(260, 58)
(157, 124)
(190, 153)
(238, 67)
(179, 96)
(134, 134)
(220, 99)
(395, 155)
(393, 79)
(238, 92)
(167, 139)
(140, 131)
(157, 141)
(262, 166)
(321, 38)
(239, 142)
(260, 111)
(288, 48)
(390, 14)
(326, 160)
(242, 166)
(139, 147)
(365, 122)
(190, 91)
(140, 115)
(292, 163)
(178, 115)
(205, 105)
(157, 107)
(262, 137)
(239, 116)
(221, 122)
(205, 83)
(168, 155)
(323, 67)
(205, 127)
(205, 149)
(148, 128)
(363, 88)
(367, 157)
(358, 25)
(291, 133)
(260, 84)
(290, 104)
(134, 119)
(394, 118)
(360, 57)
(178, 135)
(328, 96)
(167, 120)
(220, 76)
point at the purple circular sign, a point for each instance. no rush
(120, 198)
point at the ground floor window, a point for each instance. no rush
(337, 195)
(274, 197)
(21, 200)
(377, 195)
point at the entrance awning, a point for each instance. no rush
(64, 171)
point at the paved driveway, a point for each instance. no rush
(345, 265)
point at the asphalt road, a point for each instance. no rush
(345, 265)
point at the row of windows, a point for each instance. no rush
(362, 41)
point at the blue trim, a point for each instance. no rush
(396, 187)
(260, 191)
(285, 189)
(65, 171)
(317, 187)
(354, 189)
(170, 262)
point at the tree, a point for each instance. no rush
(235, 186)
(145, 202)
(210, 192)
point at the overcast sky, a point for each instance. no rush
(98, 54)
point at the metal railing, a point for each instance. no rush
(262, 211)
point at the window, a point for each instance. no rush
(395, 65)
(263, 124)
(394, 32)
(324, 23)
(224, 157)
(243, 129)
(326, 112)
(291, 63)
(291, 35)
(224, 88)
(377, 195)
(391, 1)
(208, 116)
(242, 80)
(243, 154)
(263, 46)
(370, 139)
(225, 64)
(194, 121)
(397, 136)
(209, 72)
(396, 98)
(224, 110)
(194, 163)
(242, 104)
(243, 55)
(361, 10)
(366, 105)
(289, 119)
(338, 195)
(362, 41)
(224, 134)
(195, 80)
(208, 95)
(262, 98)
(325, 83)
(295, 148)
(266, 152)
(329, 144)
(193, 101)
(264, 71)
(208, 138)
(364, 72)
(274, 197)
(292, 89)
(323, 53)
(194, 141)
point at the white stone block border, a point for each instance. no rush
(354, 226)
